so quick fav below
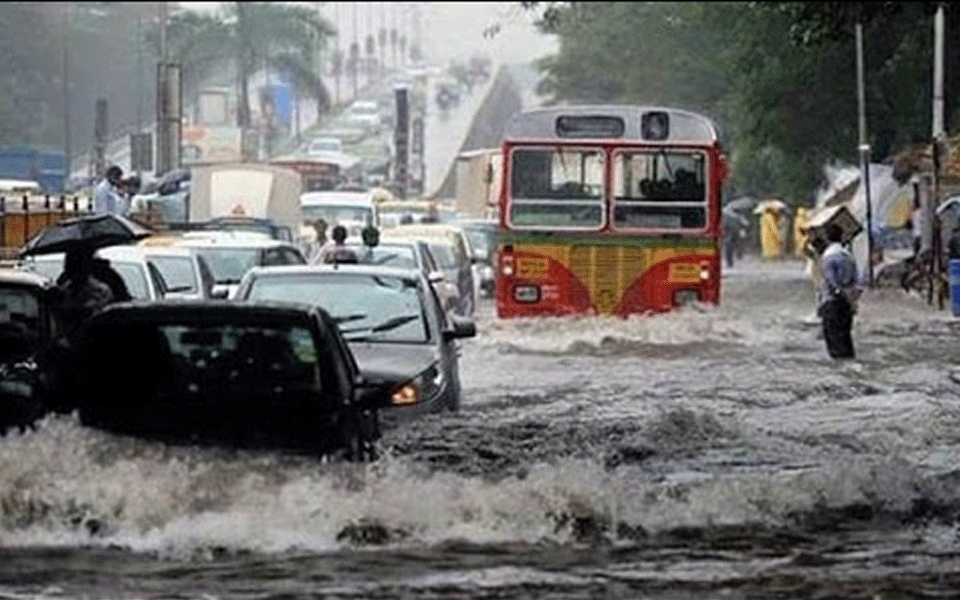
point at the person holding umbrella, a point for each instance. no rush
(82, 294)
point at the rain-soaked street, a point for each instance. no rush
(715, 452)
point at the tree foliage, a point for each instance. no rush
(778, 77)
(251, 36)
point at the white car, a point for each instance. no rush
(142, 278)
(185, 271)
(365, 113)
(322, 146)
(230, 254)
(353, 210)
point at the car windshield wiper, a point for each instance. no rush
(385, 326)
(345, 318)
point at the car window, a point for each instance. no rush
(178, 272)
(46, 266)
(282, 256)
(134, 277)
(445, 255)
(370, 307)
(229, 265)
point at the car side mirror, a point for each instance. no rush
(460, 327)
(219, 293)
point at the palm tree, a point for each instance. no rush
(285, 37)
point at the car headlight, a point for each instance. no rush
(423, 386)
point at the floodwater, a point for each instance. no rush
(711, 453)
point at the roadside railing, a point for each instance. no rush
(21, 217)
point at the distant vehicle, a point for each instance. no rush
(324, 145)
(451, 248)
(246, 190)
(323, 171)
(244, 374)
(29, 325)
(353, 210)
(365, 113)
(230, 254)
(391, 318)
(482, 234)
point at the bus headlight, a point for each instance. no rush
(526, 293)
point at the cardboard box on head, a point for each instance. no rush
(817, 226)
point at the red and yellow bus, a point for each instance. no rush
(608, 210)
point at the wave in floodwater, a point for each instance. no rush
(65, 485)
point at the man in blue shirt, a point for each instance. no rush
(839, 292)
(107, 196)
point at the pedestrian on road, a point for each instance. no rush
(336, 251)
(109, 197)
(839, 293)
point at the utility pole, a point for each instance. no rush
(139, 83)
(163, 139)
(864, 152)
(67, 159)
(938, 135)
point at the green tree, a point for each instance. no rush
(285, 37)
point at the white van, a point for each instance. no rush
(353, 210)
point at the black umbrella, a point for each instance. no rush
(85, 233)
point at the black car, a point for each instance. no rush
(246, 374)
(391, 318)
(29, 324)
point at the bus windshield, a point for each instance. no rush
(659, 189)
(556, 188)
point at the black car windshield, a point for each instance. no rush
(369, 307)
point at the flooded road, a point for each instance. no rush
(714, 452)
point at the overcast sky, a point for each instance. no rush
(451, 30)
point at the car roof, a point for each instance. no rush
(229, 239)
(338, 197)
(340, 268)
(204, 309)
(24, 277)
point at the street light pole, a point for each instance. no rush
(67, 159)
(163, 97)
(864, 148)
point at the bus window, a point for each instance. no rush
(659, 190)
(556, 188)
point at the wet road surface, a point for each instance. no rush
(714, 452)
